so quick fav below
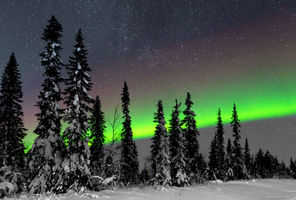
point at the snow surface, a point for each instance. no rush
(278, 189)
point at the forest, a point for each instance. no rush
(80, 159)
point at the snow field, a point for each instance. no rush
(273, 189)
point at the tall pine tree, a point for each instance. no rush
(177, 157)
(97, 138)
(190, 140)
(76, 164)
(129, 165)
(159, 149)
(11, 123)
(46, 153)
(217, 151)
(238, 163)
(220, 147)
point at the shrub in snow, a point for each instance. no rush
(11, 182)
(98, 183)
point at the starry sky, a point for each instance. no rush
(221, 51)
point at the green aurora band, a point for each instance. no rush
(268, 94)
(256, 98)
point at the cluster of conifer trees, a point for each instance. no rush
(70, 160)
(175, 158)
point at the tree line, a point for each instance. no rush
(79, 158)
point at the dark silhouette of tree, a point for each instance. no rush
(11, 123)
(97, 138)
(220, 150)
(247, 157)
(190, 141)
(283, 171)
(213, 159)
(217, 152)
(238, 163)
(109, 166)
(293, 168)
(144, 175)
(229, 160)
(253, 166)
(259, 164)
(202, 167)
(160, 163)
(178, 165)
(47, 151)
(129, 166)
(78, 101)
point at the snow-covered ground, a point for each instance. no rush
(237, 190)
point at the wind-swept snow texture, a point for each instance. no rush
(236, 190)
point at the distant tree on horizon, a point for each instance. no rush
(229, 160)
(259, 166)
(293, 168)
(247, 157)
(213, 159)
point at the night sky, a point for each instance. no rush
(221, 51)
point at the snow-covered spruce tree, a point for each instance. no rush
(217, 152)
(77, 161)
(190, 141)
(238, 162)
(159, 150)
(11, 123)
(129, 165)
(247, 157)
(46, 153)
(228, 160)
(176, 147)
(97, 138)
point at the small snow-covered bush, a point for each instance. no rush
(11, 182)
(98, 183)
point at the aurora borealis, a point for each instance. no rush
(246, 55)
(229, 70)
